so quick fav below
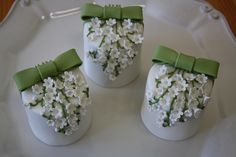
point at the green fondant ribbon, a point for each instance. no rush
(28, 77)
(90, 10)
(185, 62)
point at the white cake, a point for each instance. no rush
(174, 102)
(68, 117)
(101, 60)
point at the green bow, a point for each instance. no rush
(90, 10)
(185, 62)
(28, 77)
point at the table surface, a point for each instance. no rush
(228, 8)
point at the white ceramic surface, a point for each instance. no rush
(94, 71)
(45, 133)
(117, 128)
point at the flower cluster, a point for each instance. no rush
(178, 95)
(117, 49)
(62, 101)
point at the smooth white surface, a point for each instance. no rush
(94, 71)
(45, 133)
(117, 129)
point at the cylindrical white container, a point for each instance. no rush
(95, 72)
(46, 133)
(178, 131)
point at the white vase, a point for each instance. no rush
(45, 133)
(180, 130)
(95, 72)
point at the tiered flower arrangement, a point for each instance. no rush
(61, 100)
(118, 41)
(178, 95)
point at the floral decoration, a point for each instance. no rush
(118, 40)
(62, 101)
(178, 95)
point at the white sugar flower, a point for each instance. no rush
(59, 84)
(70, 108)
(161, 115)
(48, 82)
(84, 101)
(189, 76)
(177, 78)
(125, 43)
(102, 59)
(115, 53)
(123, 59)
(68, 76)
(68, 85)
(72, 120)
(60, 98)
(181, 86)
(188, 113)
(122, 31)
(192, 104)
(137, 38)
(123, 65)
(114, 37)
(194, 93)
(131, 53)
(206, 99)
(68, 131)
(107, 30)
(46, 110)
(180, 100)
(37, 89)
(60, 123)
(111, 22)
(162, 71)
(173, 91)
(57, 113)
(165, 82)
(98, 31)
(138, 28)
(95, 22)
(50, 122)
(49, 98)
(105, 47)
(51, 90)
(197, 112)
(127, 24)
(202, 78)
(165, 103)
(69, 93)
(110, 68)
(175, 115)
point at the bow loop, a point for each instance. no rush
(28, 77)
(186, 62)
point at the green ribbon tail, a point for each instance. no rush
(28, 77)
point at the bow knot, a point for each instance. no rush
(186, 62)
(28, 77)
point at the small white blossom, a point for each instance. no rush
(57, 113)
(37, 89)
(111, 22)
(189, 76)
(197, 112)
(107, 30)
(137, 38)
(49, 98)
(48, 82)
(70, 108)
(68, 76)
(95, 22)
(115, 53)
(201, 78)
(127, 24)
(51, 90)
(59, 84)
(165, 82)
